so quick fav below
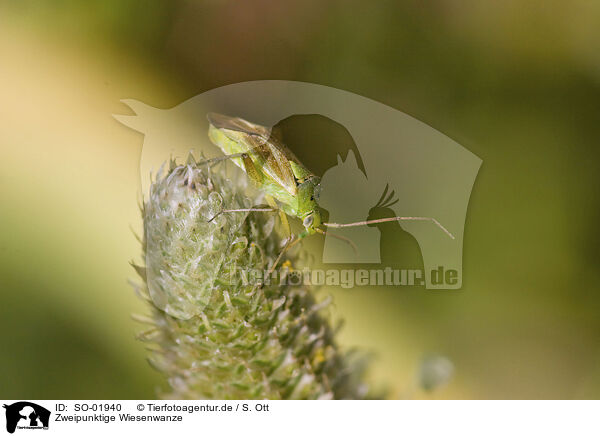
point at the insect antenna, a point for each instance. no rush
(387, 220)
(341, 238)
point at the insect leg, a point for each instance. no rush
(284, 221)
(252, 209)
(287, 229)
(251, 170)
(253, 174)
(221, 158)
(289, 244)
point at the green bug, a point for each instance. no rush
(279, 173)
(271, 166)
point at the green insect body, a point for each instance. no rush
(271, 166)
(279, 173)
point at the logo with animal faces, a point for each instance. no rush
(26, 415)
(404, 186)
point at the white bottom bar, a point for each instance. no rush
(309, 417)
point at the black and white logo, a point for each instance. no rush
(26, 415)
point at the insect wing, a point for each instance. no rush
(236, 124)
(268, 152)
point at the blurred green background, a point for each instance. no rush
(515, 82)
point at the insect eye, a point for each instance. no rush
(308, 221)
